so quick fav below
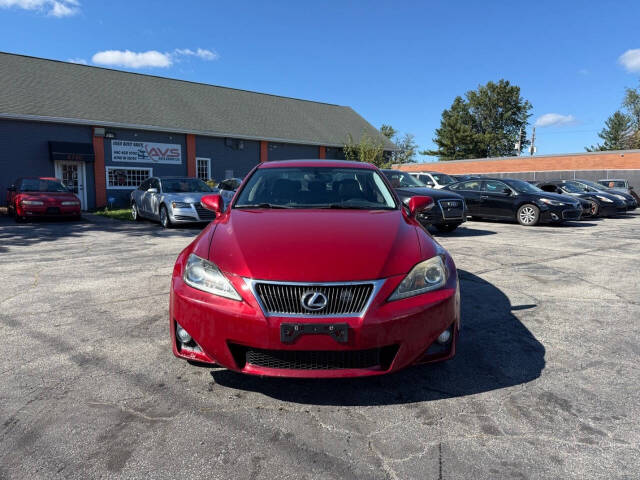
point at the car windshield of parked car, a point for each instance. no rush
(316, 187)
(402, 179)
(443, 178)
(572, 188)
(40, 185)
(590, 186)
(613, 183)
(521, 186)
(184, 185)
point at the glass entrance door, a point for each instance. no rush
(72, 175)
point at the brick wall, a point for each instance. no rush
(629, 160)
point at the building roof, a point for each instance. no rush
(50, 90)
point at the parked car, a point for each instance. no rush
(619, 184)
(228, 188)
(171, 200)
(41, 197)
(448, 211)
(315, 270)
(630, 201)
(505, 198)
(433, 179)
(600, 203)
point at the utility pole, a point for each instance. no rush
(532, 148)
(519, 142)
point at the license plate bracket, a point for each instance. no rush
(289, 332)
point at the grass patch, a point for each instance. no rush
(119, 214)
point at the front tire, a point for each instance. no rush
(135, 214)
(165, 221)
(528, 215)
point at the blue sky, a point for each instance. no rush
(399, 62)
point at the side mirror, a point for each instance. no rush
(213, 203)
(419, 204)
(507, 192)
(152, 190)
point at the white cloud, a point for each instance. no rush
(54, 8)
(150, 59)
(555, 120)
(631, 60)
(127, 58)
(202, 53)
(80, 61)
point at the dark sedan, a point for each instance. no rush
(601, 203)
(630, 202)
(505, 198)
(448, 210)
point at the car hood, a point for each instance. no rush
(191, 197)
(317, 245)
(436, 194)
(557, 196)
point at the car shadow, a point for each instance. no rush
(495, 350)
(38, 231)
(462, 232)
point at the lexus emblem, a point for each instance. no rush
(313, 301)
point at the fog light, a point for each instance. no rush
(444, 337)
(554, 216)
(182, 334)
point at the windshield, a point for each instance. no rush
(572, 187)
(613, 183)
(316, 187)
(402, 179)
(40, 185)
(184, 185)
(443, 178)
(590, 186)
(522, 187)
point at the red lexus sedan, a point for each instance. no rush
(41, 197)
(315, 269)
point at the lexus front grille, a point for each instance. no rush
(339, 299)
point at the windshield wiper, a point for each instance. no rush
(261, 205)
(347, 207)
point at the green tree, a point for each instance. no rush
(631, 103)
(486, 123)
(388, 131)
(368, 149)
(406, 146)
(616, 134)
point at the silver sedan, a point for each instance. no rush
(171, 200)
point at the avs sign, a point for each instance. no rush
(145, 152)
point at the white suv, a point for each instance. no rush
(434, 179)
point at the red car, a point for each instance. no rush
(41, 197)
(315, 269)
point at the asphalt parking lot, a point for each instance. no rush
(545, 383)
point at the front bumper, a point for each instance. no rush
(559, 213)
(48, 210)
(442, 214)
(403, 330)
(193, 214)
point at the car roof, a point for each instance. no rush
(317, 163)
(612, 180)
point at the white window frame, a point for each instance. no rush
(208, 160)
(125, 167)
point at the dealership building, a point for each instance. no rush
(586, 165)
(103, 131)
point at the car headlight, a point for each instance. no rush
(548, 201)
(70, 202)
(620, 197)
(426, 276)
(604, 199)
(180, 205)
(32, 202)
(206, 276)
